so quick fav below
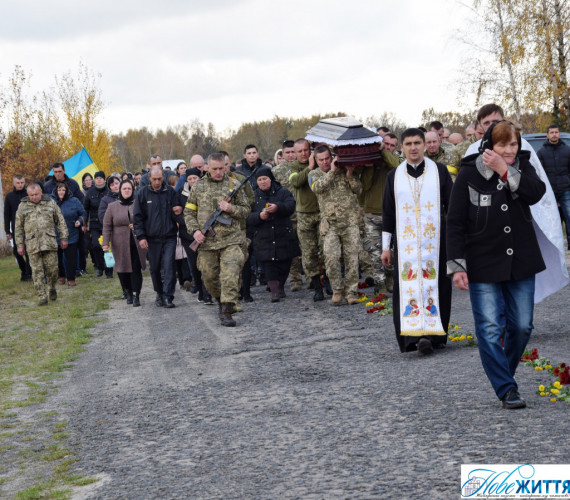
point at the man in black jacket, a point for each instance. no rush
(11, 204)
(156, 206)
(555, 158)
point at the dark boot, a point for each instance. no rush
(220, 310)
(274, 287)
(158, 301)
(246, 294)
(129, 296)
(282, 290)
(227, 319)
(327, 283)
(207, 298)
(109, 273)
(261, 278)
(136, 299)
(316, 282)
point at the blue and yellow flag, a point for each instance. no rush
(78, 165)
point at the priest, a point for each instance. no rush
(414, 210)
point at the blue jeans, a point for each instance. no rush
(487, 301)
(564, 200)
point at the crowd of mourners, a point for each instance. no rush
(481, 211)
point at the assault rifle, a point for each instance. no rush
(216, 215)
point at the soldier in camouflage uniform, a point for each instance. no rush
(373, 184)
(281, 175)
(447, 157)
(308, 216)
(220, 257)
(462, 147)
(337, 191)
(36, 220)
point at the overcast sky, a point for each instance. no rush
(227, 62)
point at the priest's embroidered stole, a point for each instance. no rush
(418, 230)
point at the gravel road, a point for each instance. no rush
(300, 400)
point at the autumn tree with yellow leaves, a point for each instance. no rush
(521, 62)
(40, 129)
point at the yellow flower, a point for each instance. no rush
(369, 303)
(469, 337)
(541, 388)
(538, 368)
(542, 393)
(456, 327)
(548, 367)
(553, 400)
(554, 391)
(557, 384)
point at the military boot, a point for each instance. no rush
(316, 282)
(136, 299)
(226, 319)
(220, 310)
(327, 283)
(129, 296)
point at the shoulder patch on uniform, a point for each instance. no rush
(191, 206)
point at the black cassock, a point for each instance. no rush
(409, 343)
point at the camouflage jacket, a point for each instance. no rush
(36, 223)
(203, 200)
(281, 174)
(337, 195)
(248, 190)
(445, 157)
(299, 180)
(462, 147)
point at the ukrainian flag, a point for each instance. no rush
(78, 165)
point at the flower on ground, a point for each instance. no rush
(553, 400)
(542, 393)
(554, 391)
(541, 388)
(557, 384)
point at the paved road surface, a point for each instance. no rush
(301, 400)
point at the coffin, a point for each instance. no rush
(350, 140)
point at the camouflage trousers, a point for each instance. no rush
(373, 245)
(44, 264)
(295, 270)
(363, 256)
(341, 242)
(308, 233)
(221, 270)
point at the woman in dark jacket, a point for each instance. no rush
(493, 251)
(130, 258)
(112, 194)
(91, 204)
(75, 216)
(274, 242)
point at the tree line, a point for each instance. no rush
(518, 57)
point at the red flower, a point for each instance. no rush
(556, 371)
(562, 365)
